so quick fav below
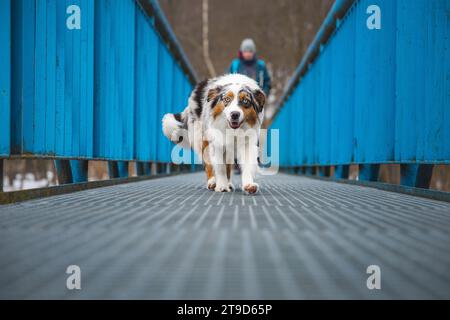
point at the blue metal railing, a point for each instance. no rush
(97, 93)
(5, 76)
(370, 97)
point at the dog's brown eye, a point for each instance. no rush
(227, 99)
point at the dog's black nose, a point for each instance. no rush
(235, 115)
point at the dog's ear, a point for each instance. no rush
(213, 93)
(260, 99)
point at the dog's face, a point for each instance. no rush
(238, 104)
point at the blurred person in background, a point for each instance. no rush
(248, 64)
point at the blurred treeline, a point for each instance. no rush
(282, 30)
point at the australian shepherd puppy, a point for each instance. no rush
(221, 124)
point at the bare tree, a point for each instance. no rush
(211, 31)
(205, 33)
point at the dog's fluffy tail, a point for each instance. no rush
(175, 129)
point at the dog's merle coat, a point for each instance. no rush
(231, 104)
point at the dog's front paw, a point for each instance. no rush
(211, 185)
(231, 186)
(251, 188)
(223, 188)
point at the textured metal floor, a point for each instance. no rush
(171, 238)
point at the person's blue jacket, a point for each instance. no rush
(255, 69)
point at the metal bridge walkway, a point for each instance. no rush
(171, 238)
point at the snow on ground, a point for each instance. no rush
(28, 182)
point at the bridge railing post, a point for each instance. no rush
(79, 170)
(147, 168)
(72, 171)
(143, 168)
(369, 172)
(139, 168)
(161, 168)
(416, 175)
(1, 175)
(324, 171)
(118, 169)
(122, 167)
(342, 172)
(153, 168)
(113, 171)
(63, 171)
(310, 171)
